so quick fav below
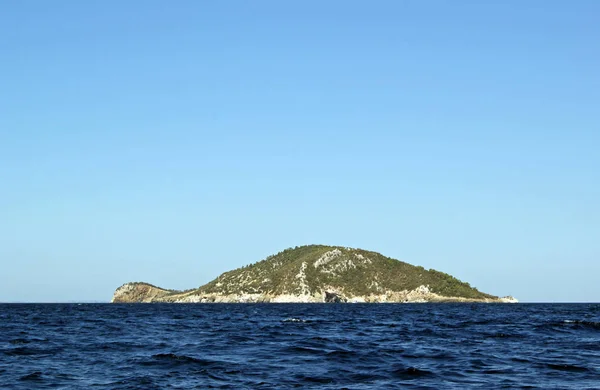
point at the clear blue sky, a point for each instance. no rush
(168, 142)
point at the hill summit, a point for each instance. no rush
(319, 273)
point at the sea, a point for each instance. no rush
(290, 346)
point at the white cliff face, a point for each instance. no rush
(363, 259)
(289, 298)
(327, 257)
(335, 262)
(122, 291)
(190, 299)
(420, 294)
(301, 278)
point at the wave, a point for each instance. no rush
(582, 324)
(567, 367)
(292, 319)
(304, 350)
(19, 341)
(569, 325)
(411, 373)
(239, 338)
(27, 351)
(26, 341)
(320, 338)
(501, 335)
(171, 359)
(133, 382)
(341, 353)
(34, 376)
(316, 379)
(180, 358)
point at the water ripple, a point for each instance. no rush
(299, 346)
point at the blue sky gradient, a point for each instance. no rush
(168, 142)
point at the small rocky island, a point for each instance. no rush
(318, 273)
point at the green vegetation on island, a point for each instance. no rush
(357, 272)
(319, 273)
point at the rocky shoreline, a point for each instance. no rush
(146, 293)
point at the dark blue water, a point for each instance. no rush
(328, 346)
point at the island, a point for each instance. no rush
(318, 273)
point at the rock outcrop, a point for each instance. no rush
(319, 274)
(139, 292)
(331, 297)
(509, 299)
